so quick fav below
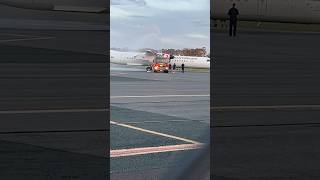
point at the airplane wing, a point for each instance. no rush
(92, 6)
(134, 64)
(54, 14)
(80, 9)
(141, 62)
(55, 24)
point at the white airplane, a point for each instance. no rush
(191, 61)
(132, 58)
(147, 58)
(92, 6)
(54, 14)
(294, 11)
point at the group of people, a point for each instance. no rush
(172, 68)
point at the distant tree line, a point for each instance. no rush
(120, 49)
(200, 52)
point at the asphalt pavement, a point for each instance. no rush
(158, 121)
(265, 105)
(53, 105)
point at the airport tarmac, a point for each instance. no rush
(157, 119)
(53, 105)
(265, 106)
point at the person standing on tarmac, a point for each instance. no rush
(233, 13)
(182, 67)
(174, 67)
(169, 67)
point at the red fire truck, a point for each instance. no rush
(160, 64)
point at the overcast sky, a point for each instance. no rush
(160, 24)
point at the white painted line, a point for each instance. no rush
(266, 107)
(25, 39)
(154, 132)
(155, 96)
(38, 111)
(151, 150)
(22, 35)
(115, 74)
(166, 121)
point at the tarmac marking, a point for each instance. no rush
(166, 121)
(115, 74)
(12, 34)
(38, 111)
(155, 96)
(152, 150)
(154, 132)
(26, 39)
(266, 108)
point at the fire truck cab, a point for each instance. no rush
(160, 67)
(160, 63)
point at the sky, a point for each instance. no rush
(160, 24)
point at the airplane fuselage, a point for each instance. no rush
(92, 6)
(130, 58)
(143, 59)
(295, 11)
(191, 61)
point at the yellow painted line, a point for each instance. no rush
(152, 150)
(265, 108)
(154, 132)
